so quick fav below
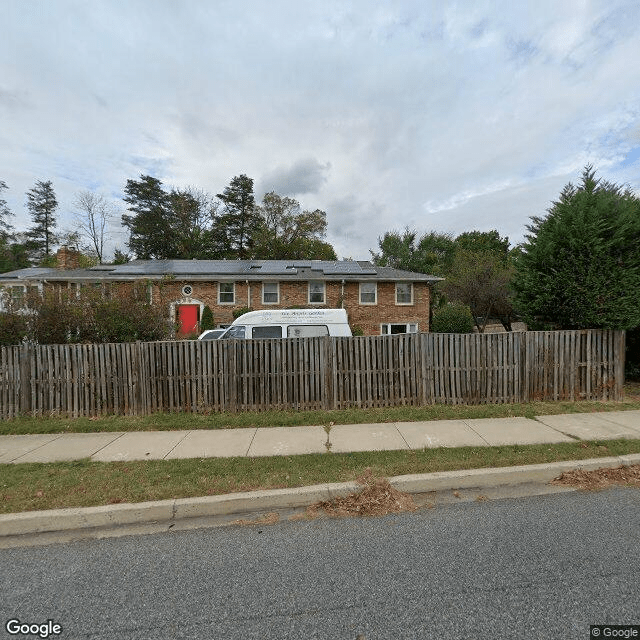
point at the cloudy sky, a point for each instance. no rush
(446, 116)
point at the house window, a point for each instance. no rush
(368, 293)
(226, 293)
(270, 293)
(17, 293)
(187, 290)
(404, 293)
(398, 327)
(316, 292)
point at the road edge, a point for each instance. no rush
(168, 512)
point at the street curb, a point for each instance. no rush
(170, 511)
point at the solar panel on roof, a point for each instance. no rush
(348, 267)
(279, 268)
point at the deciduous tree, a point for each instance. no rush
(432, 253)
(481, 280)
(287, 232)
(92, 216)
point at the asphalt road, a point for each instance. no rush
(538, 567)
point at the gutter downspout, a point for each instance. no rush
(342, 294)
(248, 294)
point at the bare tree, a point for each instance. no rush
(93, 213)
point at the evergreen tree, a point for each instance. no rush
(207, 321)
(5, 213)
(171, 224)
(42, 205)
(149, 228)
(580, 265)
(240, 221)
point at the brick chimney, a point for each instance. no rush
(67, 258)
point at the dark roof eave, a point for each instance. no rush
(93, 277)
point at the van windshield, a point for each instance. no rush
(234, 333)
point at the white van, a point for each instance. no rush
(288, 323)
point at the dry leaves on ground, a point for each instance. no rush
(376, 499)
(600, 478)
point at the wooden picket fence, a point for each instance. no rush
(310, 373)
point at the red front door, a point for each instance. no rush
(187, 318)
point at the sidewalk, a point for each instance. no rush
(284, 441)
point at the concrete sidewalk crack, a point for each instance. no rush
(104, 446)
(466, 424)
(176, 444)
(26, 453)
(395, 424)
(569, 435)
(253, 437)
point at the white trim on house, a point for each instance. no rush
(277, 293)
(391, 328)
(361, 292)
(324, 291)
(233, 292)
(177, 303)
(401, 284)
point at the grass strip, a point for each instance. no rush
(180, 421)
(37, 486)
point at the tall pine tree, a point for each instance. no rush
(5, 228)
(149, 226)
(240, 220)
(42, 205)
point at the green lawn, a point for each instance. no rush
(27, 487)
(177, 421)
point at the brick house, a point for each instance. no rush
(378, 300)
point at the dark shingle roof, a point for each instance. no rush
(224, 270)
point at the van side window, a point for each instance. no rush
(267, 332)
(235, 333)
(307, 330)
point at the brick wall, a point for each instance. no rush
(67, 258)
(367, 317)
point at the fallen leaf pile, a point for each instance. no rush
(600, 478)
(376, 499)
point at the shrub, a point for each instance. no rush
(206, 321)
(66, 316)
(453, 317)
(13, 328)
(632, 360)
(240, 312)
(356, 330)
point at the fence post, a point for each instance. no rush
(326, 366)
(139, 407)
(621, 343)
(25, 379)
(523, 377)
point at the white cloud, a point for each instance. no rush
(431, 115)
